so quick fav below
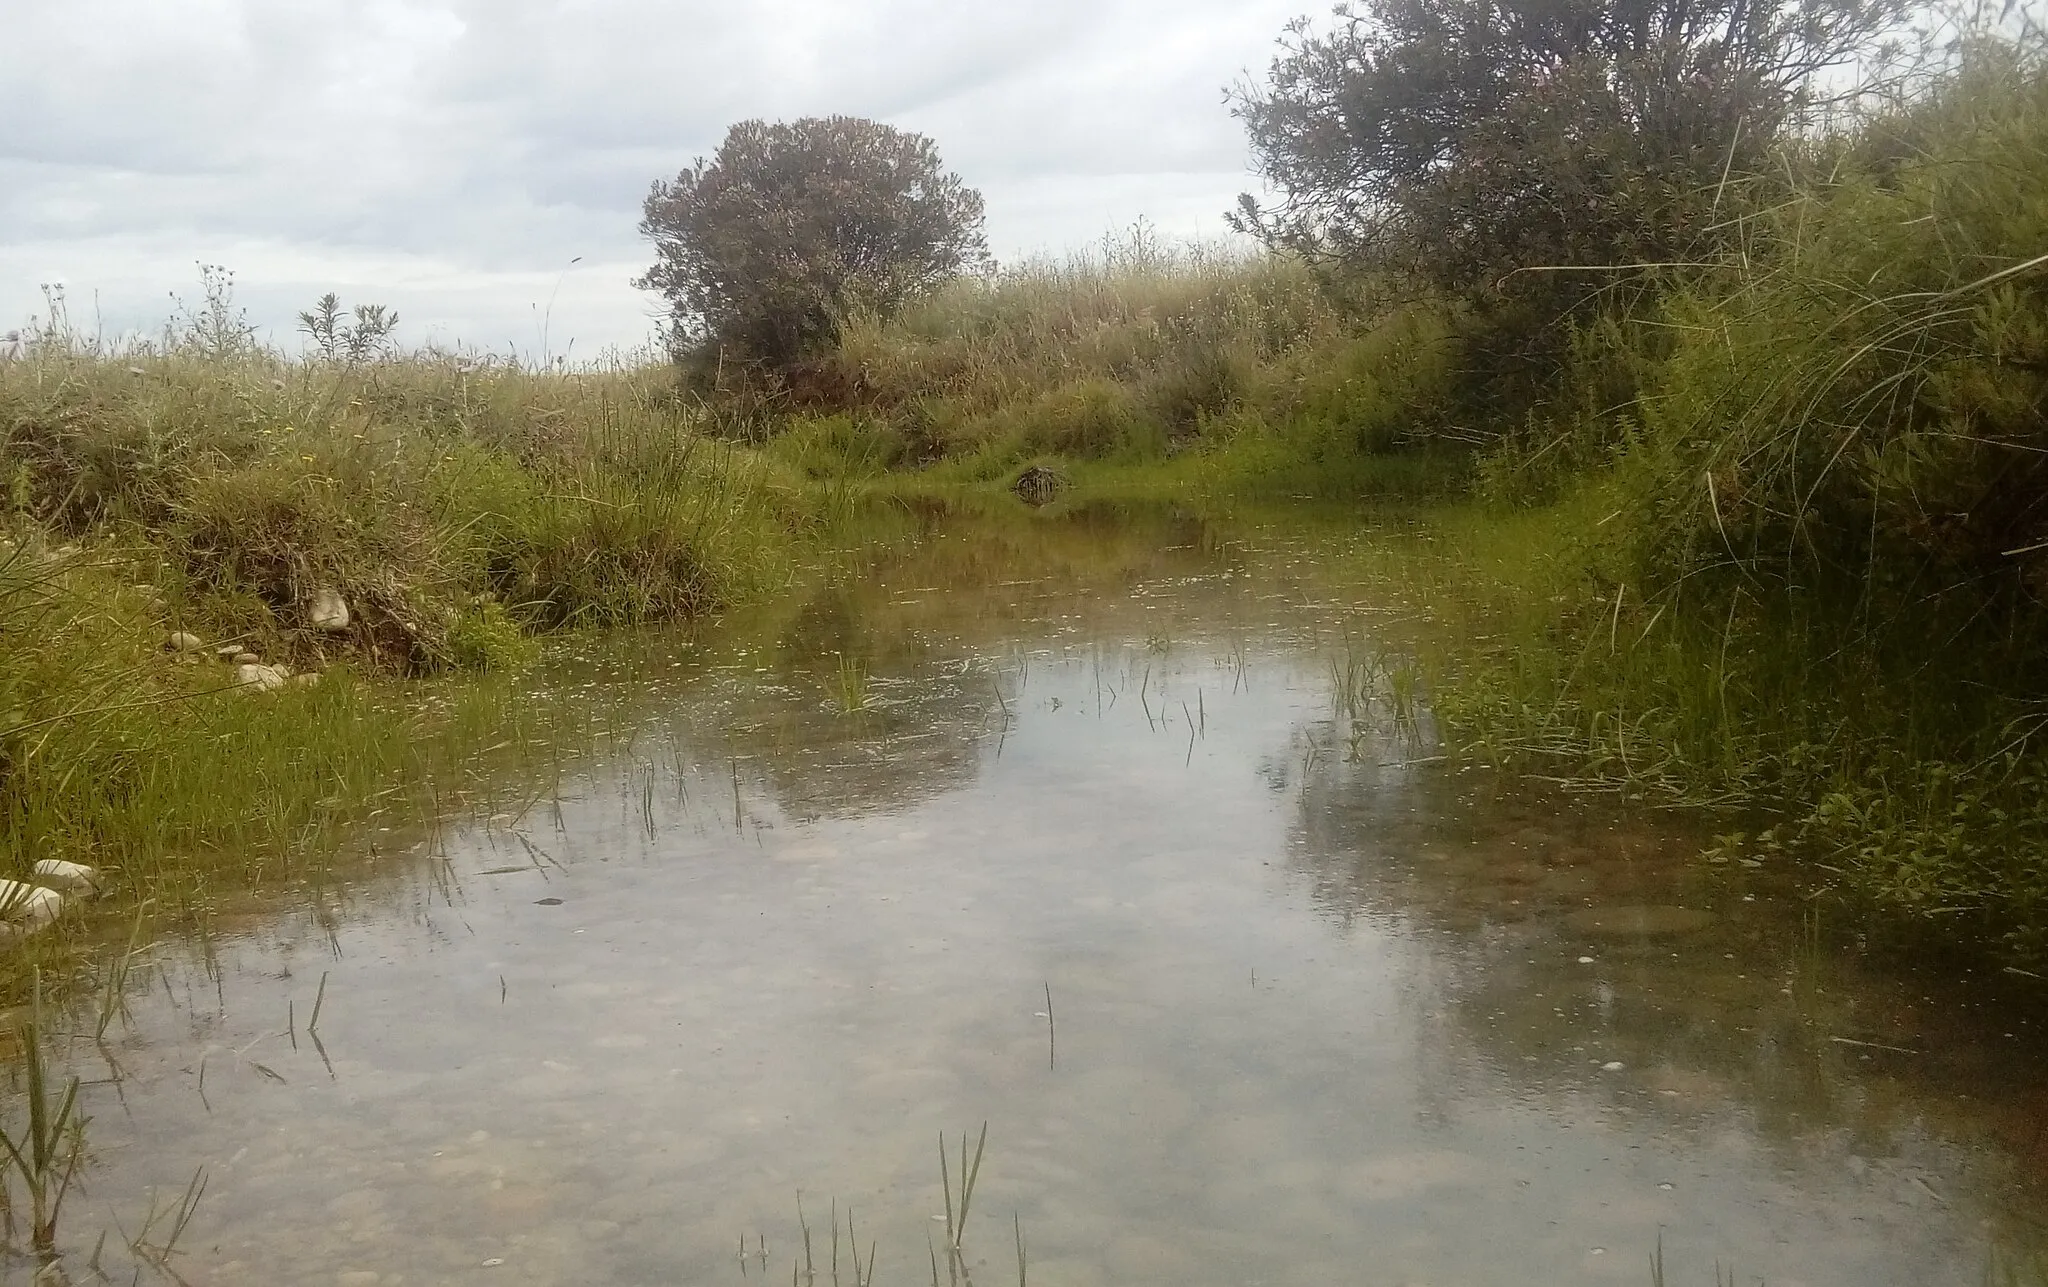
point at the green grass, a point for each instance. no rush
(460, 506)
(1139, 354)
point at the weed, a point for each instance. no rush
(850, 689)
(43, 1150)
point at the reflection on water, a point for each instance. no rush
(1328, 1009)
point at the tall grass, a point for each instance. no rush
(1135, 352)
(199, 483)
(411, 485)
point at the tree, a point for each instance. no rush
(765, 249)
(1460, 140)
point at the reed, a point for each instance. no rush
(47, 1145)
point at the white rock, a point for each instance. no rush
(305, 680)
(260, 679)
(245, 658)
(180, 641)
(74, 877)
(30, 905)
(328, 611)
(226, 652)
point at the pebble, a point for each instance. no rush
(75, 877)
(259, 679)
(182, 641)
(328, 611)
(1612, 1065)
(494, 1262)
(26, 904)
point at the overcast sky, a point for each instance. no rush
(451, 157)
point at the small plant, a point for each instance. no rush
(485, 637)
(217, 330)
(958, 1203)
(337, 339)
(850, 687)
(43, 1151)
(162, 1226)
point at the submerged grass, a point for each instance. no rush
(44, 1151)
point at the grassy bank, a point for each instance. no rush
(201, 485)
(1804, 502)
(1237, 369)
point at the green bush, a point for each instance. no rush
(486, 637)
(1868, 399)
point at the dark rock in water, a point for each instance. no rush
(1038, 485)
(547, 902)
(1637, 922)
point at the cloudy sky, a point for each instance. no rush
(451, 157)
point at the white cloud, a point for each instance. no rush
(450, 157)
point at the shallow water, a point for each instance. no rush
(1324, 1007)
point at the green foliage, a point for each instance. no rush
(1145, 349)
(115, 752)
(1798, 556)
(269, 535)
(1089, 417)
(1460, 142)
(337, 339)
(487, 637)
(457, 504)
(766, 249)
(1869, 400)
(408, 485)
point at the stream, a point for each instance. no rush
(1126, 833)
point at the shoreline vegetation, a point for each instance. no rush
(175, 501)
(1767, 529)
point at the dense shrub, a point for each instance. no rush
(765, 249)
(1870, 399)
